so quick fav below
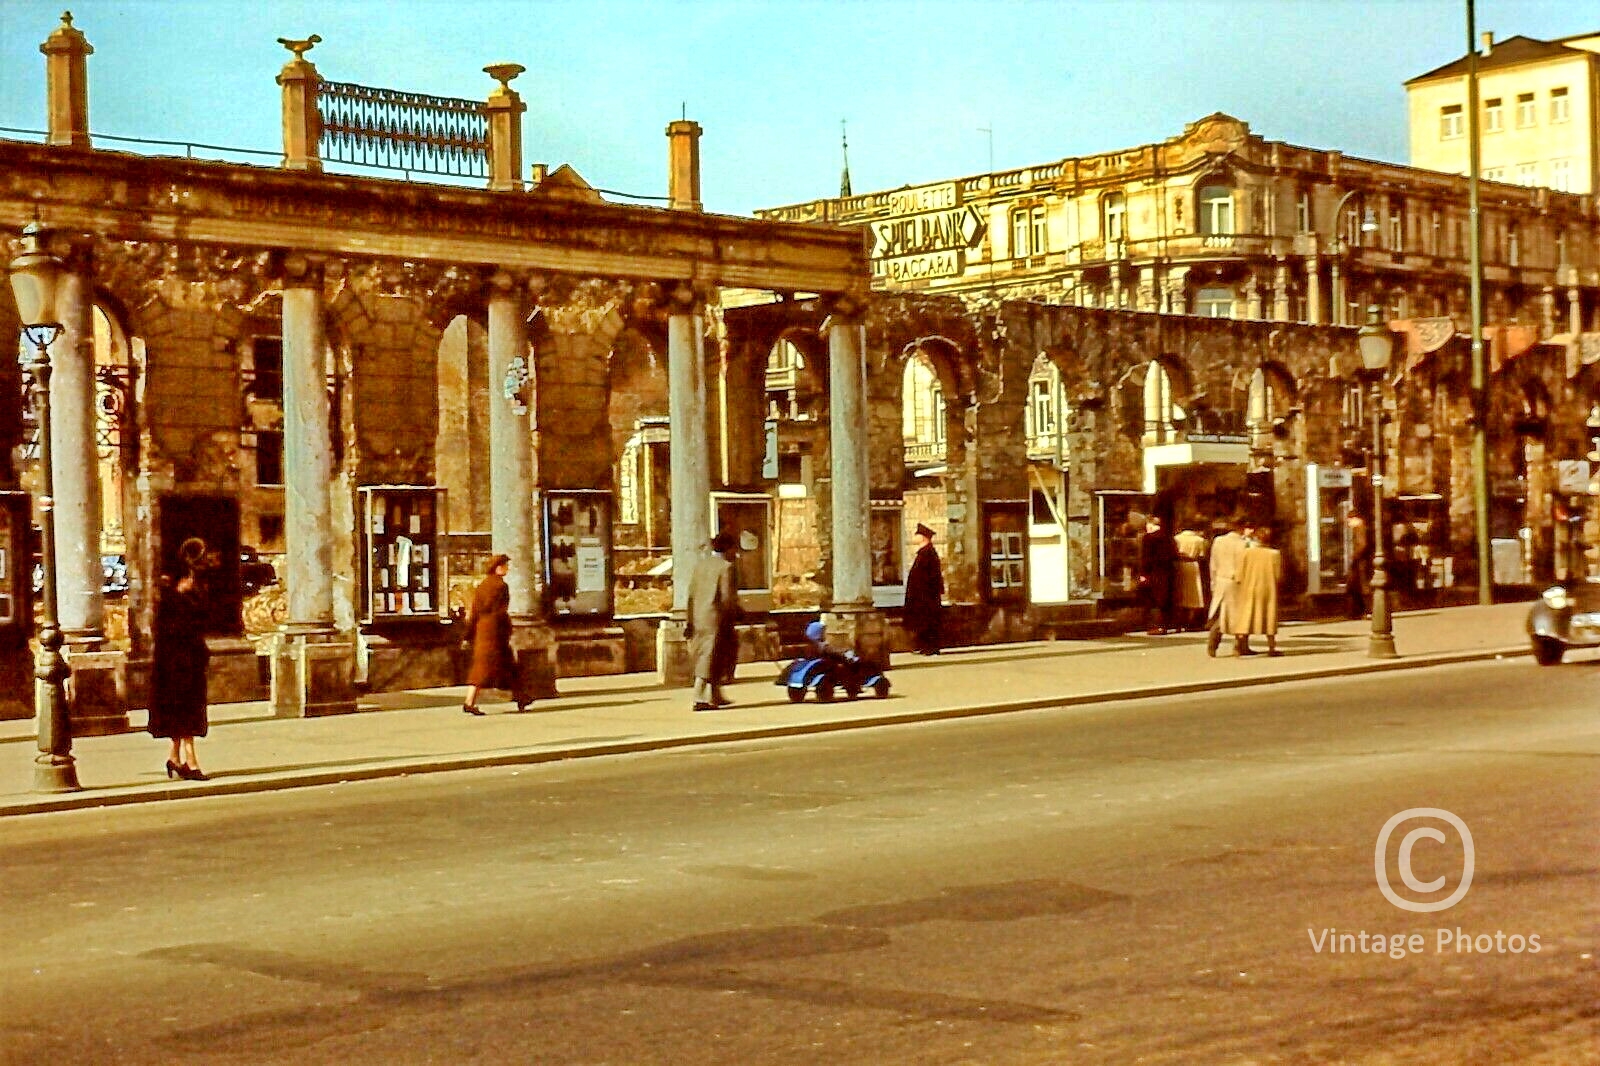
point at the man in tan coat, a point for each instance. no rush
(1227, 552)
(1255, 596)
(713, 612)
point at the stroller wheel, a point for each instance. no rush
(881, 687)
(795, 694)
(825, 691)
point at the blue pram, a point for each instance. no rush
(825, 672)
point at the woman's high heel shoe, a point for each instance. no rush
(192, 773)
(172, 769)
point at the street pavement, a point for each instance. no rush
(424, 731)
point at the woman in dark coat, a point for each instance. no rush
(178, 667)
(1157, 556)
(924, 608)
(489, 629)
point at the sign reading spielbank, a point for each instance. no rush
(926, 235)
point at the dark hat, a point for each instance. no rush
(924, 531)
(724, 540)
(494, 563)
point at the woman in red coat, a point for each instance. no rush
(489, 629)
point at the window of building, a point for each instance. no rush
(1039, 244)
(266, 363)
(1527, 173)
(1302, 212)
(922, 412)
(1041, 417)
(1435, 232)
(1115, 206)
(1216, 210)
(1525, 111)
(269, 457)
(1214, 303)
(1396, 232)
(1450, 122)
(1560, 105)
(1019, 234)
(1494, 115)
(1161, 414)
(1513, 245)
(1494, 174)
(1561, 175)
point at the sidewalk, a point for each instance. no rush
(401, 733)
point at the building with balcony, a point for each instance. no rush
(1539, 118)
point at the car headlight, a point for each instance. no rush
(1555, 597)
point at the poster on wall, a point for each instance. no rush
(577, 552)
(887, 537)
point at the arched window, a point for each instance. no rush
(1216, 210)
(1041, 418)
(784, 363)
(1161, 414)
(922, 412)
(113, 428)
(1115, 207)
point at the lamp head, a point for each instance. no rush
(1376, 343)
(35, 275)
(1369, 222)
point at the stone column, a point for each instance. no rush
(99, 685)
(1177, 291)
(691, 473)
(1336, 292)
(67, 54)
(511, 484)
(1314, 311)
(1280, 292)
(302, 126)
(852, 618)
(312, 668)
(505, 110)
(1252, 297)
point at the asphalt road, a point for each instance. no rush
(1138, 883)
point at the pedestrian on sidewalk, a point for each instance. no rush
(1157, 556)
(489, 630)
(924, 606)
(1358, 572)
(178, 710)
(1260, 571)
(713, 615)
(1227, 552)
(1188, 592)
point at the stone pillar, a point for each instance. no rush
(312, 668)
(853, 618)
(505, 108)
(302, 125)
(99, 684)
(1252, 298)
(1280, 292)
(1314, 311)
(511, 483)
(1177, 291)
(1336, 317)
(67, 54)
(1146, 296)
(691, 474)
(683, 174)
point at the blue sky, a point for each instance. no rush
(919, 82)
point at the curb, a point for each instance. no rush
(125, 795)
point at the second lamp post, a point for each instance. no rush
(1377, 348)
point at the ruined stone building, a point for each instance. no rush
(355, 389)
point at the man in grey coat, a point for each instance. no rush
(713, 612)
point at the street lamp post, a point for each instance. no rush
(34, 276)
(1377, 347)
(1341, 278)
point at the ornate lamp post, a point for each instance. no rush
(1377, 348)
(34, 276)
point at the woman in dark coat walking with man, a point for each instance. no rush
(178, 663)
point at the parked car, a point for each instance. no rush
(1565, 616)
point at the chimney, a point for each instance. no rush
(67, 54)
(683, 167)
(1487, 37)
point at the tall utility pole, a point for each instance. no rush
(1479, 395)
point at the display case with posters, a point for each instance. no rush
(404, 576)
(15, 573)
(887, 534)
(577, 553)
(1119, 522)
(750, 515)
(1004, 568)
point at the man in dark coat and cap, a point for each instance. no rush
(713, 612)
(924, 609)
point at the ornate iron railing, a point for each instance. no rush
(403, 131)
